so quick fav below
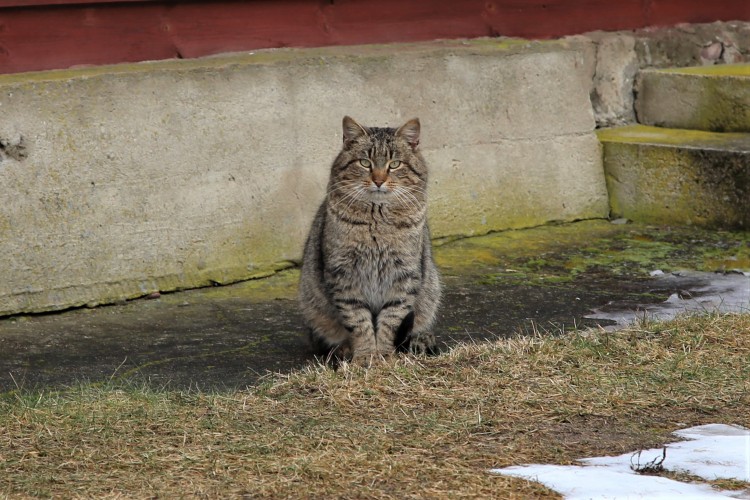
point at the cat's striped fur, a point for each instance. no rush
(369, 285)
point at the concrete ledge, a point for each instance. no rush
(120, 181)
(712, 98)
(671, 176)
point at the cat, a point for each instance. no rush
(369, 286)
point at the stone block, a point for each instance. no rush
(616, 67)
(711, 98)
(673, 176)
(529, 183)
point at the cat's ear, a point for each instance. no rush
(410, 132)
(352, 129)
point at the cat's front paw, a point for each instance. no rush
(423, 345)
(340, 352)
(371, 357)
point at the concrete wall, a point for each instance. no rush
(119, 181)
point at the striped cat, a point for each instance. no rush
(369, 286)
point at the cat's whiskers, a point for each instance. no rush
(341, 186)
(345, 186)
(349, 197)
(407, 198)
(354, 193)
(416, 189)
(417, 204)
(357, 196)
(407, 208)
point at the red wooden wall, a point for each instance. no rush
(38, 35)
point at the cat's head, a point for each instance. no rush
(380, 165)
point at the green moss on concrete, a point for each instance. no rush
(506, 248)
(285, 55)
(730, 70)
(669, 176)
(682, 138)
(280, 285)
(479, 226)
(548, 256)
(724, 105)
(715, 98)
(553, 255)
(268, 282)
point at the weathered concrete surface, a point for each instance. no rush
(612, 59)
(694, 44)
(673, 176)
(616, 68)
(547, 279)
(120, 181)
(713, 98)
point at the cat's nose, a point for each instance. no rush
(378, 182)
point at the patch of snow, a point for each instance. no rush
(713, 451)
(695, 292)
(575, 482)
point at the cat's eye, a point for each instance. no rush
(394, 165)
(365, 163)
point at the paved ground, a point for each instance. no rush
(548, 278)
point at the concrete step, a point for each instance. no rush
(711, 98)
(675, 176)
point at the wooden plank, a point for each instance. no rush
(52, 35)
(47, 38)
(554, 18)
(362, 21)
(37, 3)
(669, 12)
(196, 29)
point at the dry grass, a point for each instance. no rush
(411, 428)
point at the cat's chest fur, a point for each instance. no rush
(373, 258)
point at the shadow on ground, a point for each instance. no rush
(549, 279)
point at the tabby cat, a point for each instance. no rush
(369, 286)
